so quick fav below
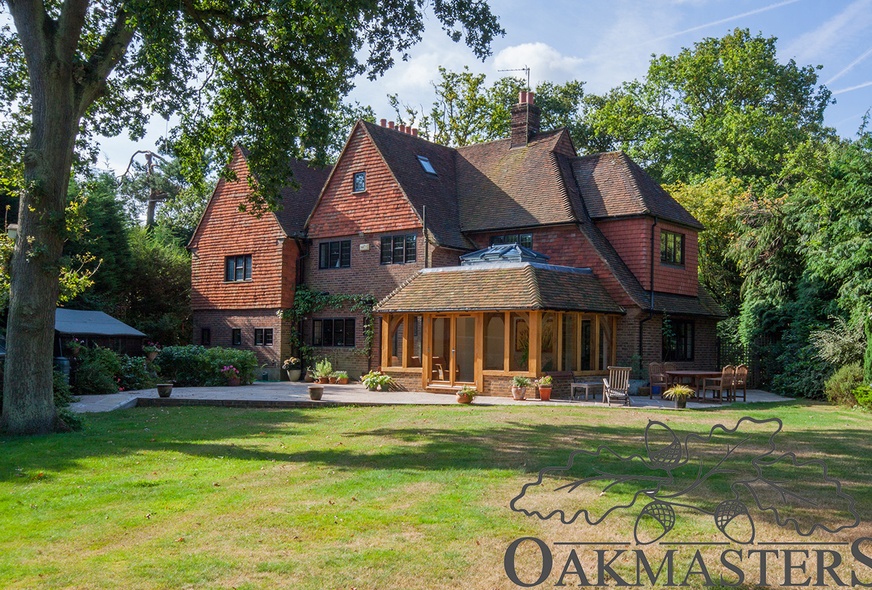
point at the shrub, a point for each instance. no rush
(198, 366)
(376, 381)
(863, 395)
(97, 371)
(136, 374)
(840, 386)
(841, 343)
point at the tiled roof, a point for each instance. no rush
(612, 185)
(703, 305)
(298, 200)
(500, 286)
(299, 196)
(503, 187)
(436, 192)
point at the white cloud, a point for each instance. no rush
(545, 62)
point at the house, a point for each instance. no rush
(511, 257)
(244, 268)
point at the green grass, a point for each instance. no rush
(391, 497)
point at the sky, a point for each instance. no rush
(607, 42)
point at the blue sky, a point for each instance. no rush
(607, 42)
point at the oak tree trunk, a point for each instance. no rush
(28, 400)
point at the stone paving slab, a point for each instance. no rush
(285, 394)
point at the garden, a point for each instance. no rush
(388, 497)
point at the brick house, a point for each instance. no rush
(244, 269)
(512, 257)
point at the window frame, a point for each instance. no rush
(513, 239)
(354, 182)
(206, 336)
(321, 327)
(232, 263)
(677, 252)
(404, 240)
(685, 342)
(266, 337)
(235, 336)
(427, 165)
(343, 250)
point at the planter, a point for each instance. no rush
(644, 390)
(294, 374)
(342, 380)
(464, 399)
(322, 380)
(680, 402)
(331, 379)
(519, 393)
(545, 393)
(150, 356)
(164, 389)
(233, 381)
(308, 378)
(315, 392)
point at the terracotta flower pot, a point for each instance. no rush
(519, 393)
(233, 381)
(544, 393)
(331, 379)
(315, 392)
(462, 398)
(323, 380)
(342, 381)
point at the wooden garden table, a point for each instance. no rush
(696, 377)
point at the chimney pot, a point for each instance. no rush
(531, 97)
(384, 122)
(522, 97)
(415, 132)
(402, 128)
(390, 124)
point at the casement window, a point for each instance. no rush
(263, 336)
(678, 340)
(334, 254)
(206, 336)
(399, 249)
(236, 337)
(237, 268)
(671, 247)
(333, 332)
(525, 240)
(359, 182)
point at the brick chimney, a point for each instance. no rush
(525, 119)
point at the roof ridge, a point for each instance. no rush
(533, 285)
(564, 192)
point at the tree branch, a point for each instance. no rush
(112, 48)
(70, 25)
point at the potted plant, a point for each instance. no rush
(466, 394)
(164, 389)
(151, 350)
(519, 387)
(75, 347)
(310, 375)
(315, 392)
(376, 381)
(679, 393)
(231, 374)
(341, 377)
(323, 369)
(292, 367)
(545, 385)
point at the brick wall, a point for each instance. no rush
(221, 322)
(705, 340)
(566, 246)
(632, 240)
(225, 231)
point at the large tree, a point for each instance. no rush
(264, 74)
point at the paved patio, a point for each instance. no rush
(285, 394)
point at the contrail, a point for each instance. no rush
(724, 20)
(857, 87)
(849, 67)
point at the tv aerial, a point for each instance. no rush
(525, 69)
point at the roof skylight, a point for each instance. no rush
(426, 165)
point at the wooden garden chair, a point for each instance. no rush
(721, 384)
(617, 385)
(740, 380)
(657, 378)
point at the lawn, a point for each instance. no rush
(389, 497)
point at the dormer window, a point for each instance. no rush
(359, 182)
(426, 165)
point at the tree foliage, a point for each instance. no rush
(265, 75)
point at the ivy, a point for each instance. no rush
(307, 302)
